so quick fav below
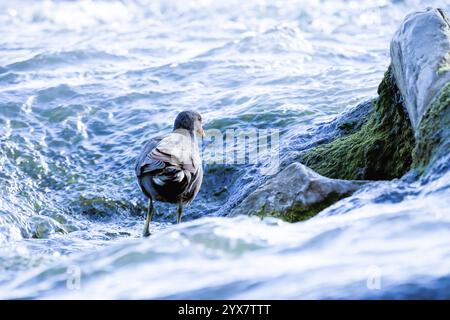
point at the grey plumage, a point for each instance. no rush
(169, 168)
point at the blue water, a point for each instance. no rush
(84, 84)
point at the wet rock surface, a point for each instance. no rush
(380, 150)
(296, 193)
(420, 56)
(406, 127)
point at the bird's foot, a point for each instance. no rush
(146, 233)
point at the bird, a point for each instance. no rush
(169, 167)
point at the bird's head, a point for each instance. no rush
(190, 121)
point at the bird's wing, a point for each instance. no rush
(145, 162)
(194, 185)
(171, 150)
(177, 150)
(172, 158)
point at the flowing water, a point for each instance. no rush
(84, 84)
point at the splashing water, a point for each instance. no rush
(84, 84)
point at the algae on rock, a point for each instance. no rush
(407, 127)
(301, 212)
(296, 193)
(381, 149)
(434, 131)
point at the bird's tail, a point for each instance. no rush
(170, 175)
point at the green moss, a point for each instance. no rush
(434, 128)
(102, 207)
(298, 211)
(348, 126)
(444, 65)
(380, 150)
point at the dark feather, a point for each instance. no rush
(164, 177)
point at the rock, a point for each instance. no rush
(379, 150)
(408, 126)
(420, 53)
(42, 227)
(296, 193)
(352, 120)
(100, 207)
(420, 58)
(433, 135)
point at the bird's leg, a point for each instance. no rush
(180, 208)
(146, 233)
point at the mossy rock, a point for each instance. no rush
(300, 212)
(100, 207)
(434, 131)
(380, 150)
(42, 227)
(295, 194)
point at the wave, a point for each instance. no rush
(48, 60)
(226, 255)
(279, 39)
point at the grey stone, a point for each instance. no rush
(420, 59)
(420, 56)
(296, 184)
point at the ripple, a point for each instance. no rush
(280, 39)
(62, 91)
(10, 78)
(62, 59)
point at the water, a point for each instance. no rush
(84, 84)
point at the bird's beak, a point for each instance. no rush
(202, 132)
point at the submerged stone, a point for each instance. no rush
(43, 227)
(296, 193)
(105, 208)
